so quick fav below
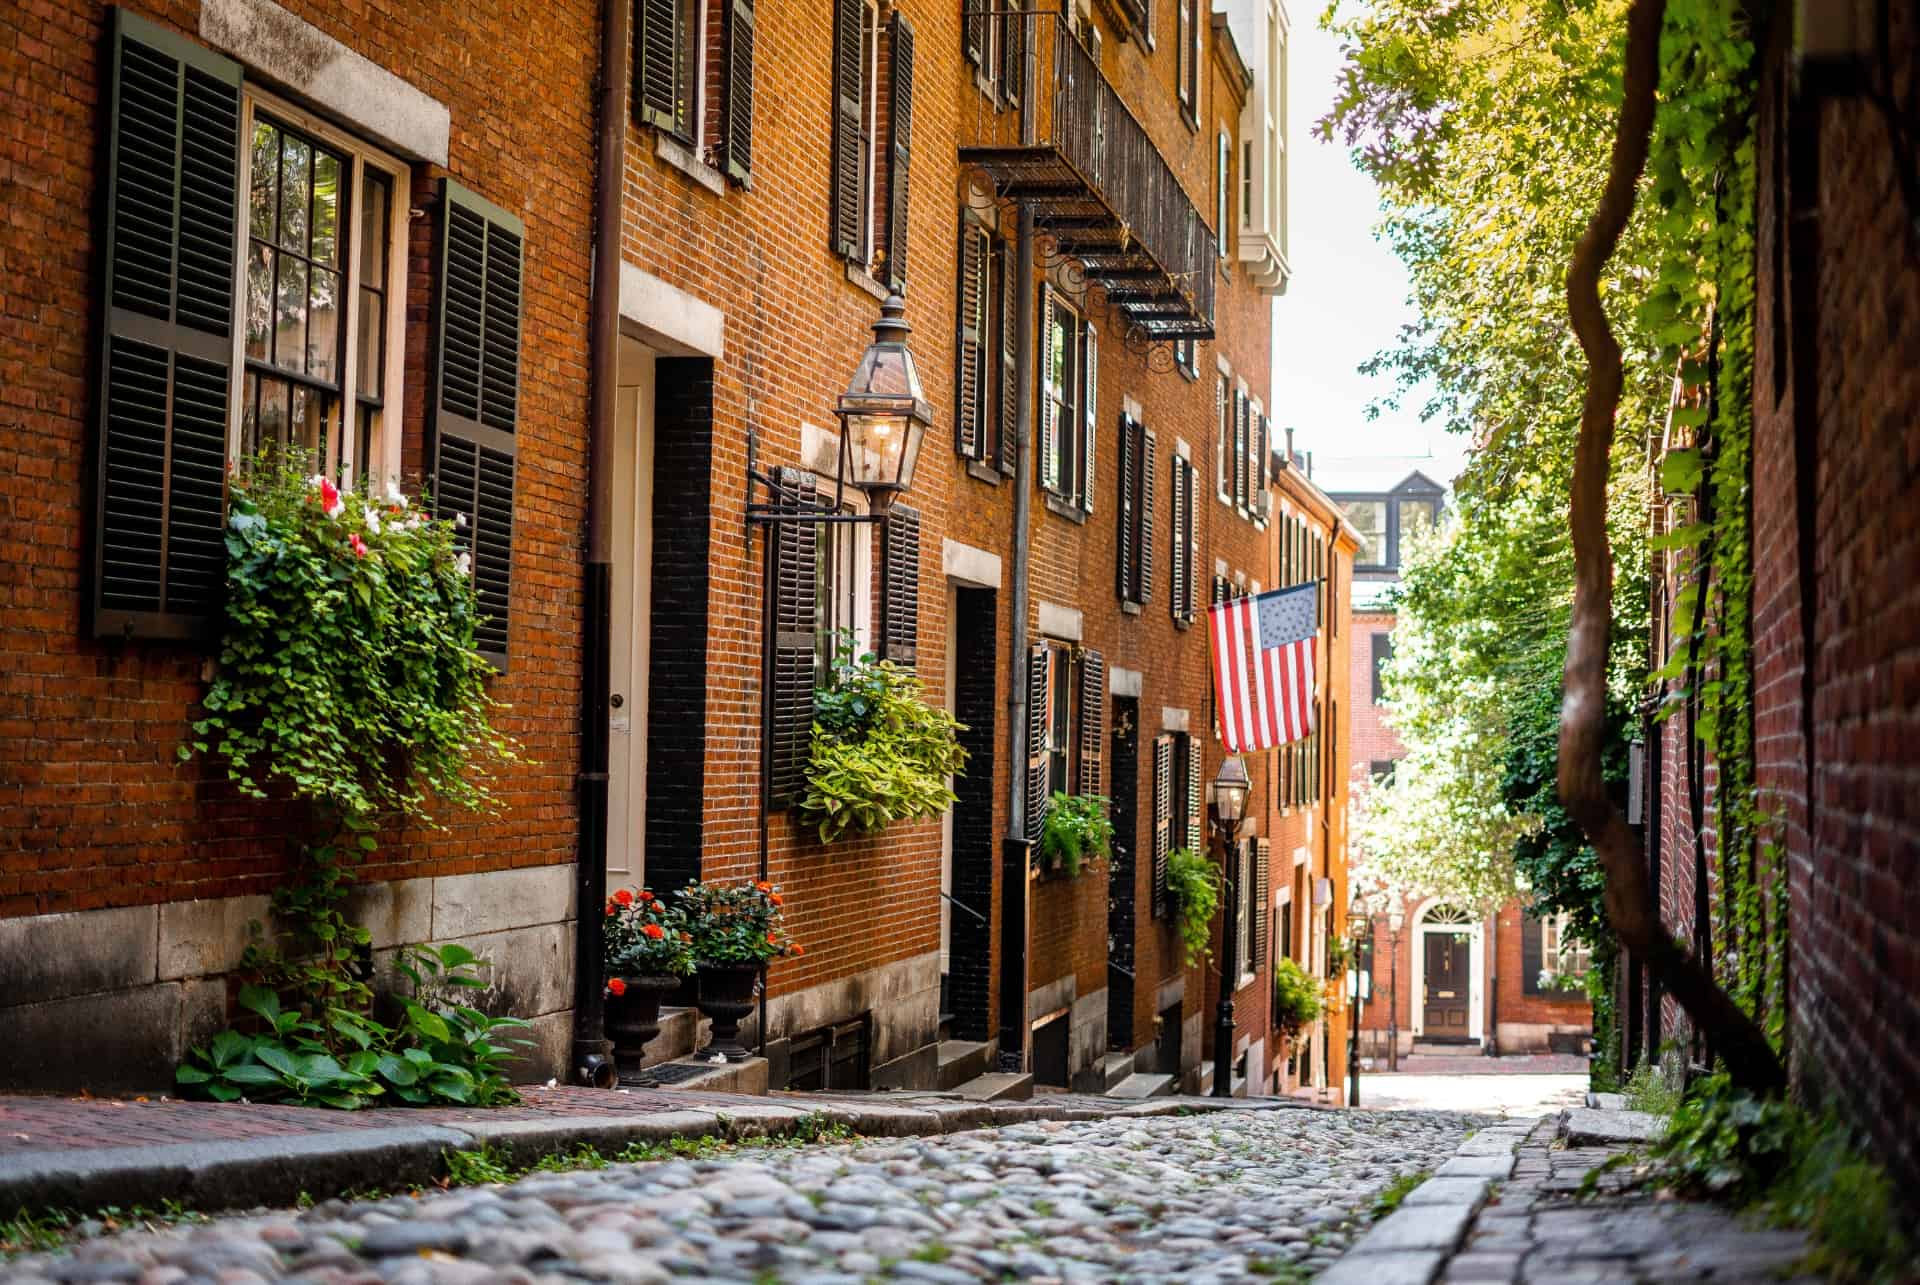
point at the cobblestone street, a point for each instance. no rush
(1227, 1196)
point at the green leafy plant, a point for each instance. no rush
(1193, 895)
(645, 936)
(736, 924)
(1339, 955)
(1296, 998)
(880, 753)
(1075, 832)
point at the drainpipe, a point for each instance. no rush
(1013, 885)
(591, 1062)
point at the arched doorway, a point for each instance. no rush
(1448, 983)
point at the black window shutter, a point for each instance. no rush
(974, 30)
(899, 150)
(1050, 429)
(796, 567)
(167, 353)
(900, 586)
(1177, 571)
(1090, 777)
(1013, 297)
(1143, 543)
(847, 90)
(1013, 50)
(657, 46)
(739, 106)
(1090, 382)
(970, 415)
(1533, 954)
(476, 406)
(1162, 820)
(1260, 898)
(1240, 450)
(1037, 799)
(1125, 579)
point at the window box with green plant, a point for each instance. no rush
(1296, 1000)
(1193, 897)
(348, 681)
(880, 753)
(1075, 834)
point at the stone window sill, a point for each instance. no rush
(861, 278)
(1063, 508)
(681, 157)
(983, 472)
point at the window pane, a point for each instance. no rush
(323, 325)
(259, 301)
(290, 323)
(366, 429)
(270, 425)
(266, 172)
(1369, 517)
(1415, 516)
(311, 421)
(326, 208)
(371, 362)
(296, 188)
(249, 415)
(373, 230)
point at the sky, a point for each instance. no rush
(1347, 296)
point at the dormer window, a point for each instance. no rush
(1387, 523)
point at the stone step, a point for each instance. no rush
(682, 1031)
(1114, 1068)
(1447, 1050)
(960, 1061)
(998, 1086)
(1143, 1084)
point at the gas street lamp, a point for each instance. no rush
(1228, 805)
(1359, 984)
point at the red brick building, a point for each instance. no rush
(1835, 618)
(1089, 316)
(1507, 982)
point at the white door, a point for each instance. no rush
(631, 609)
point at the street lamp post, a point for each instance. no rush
(1229, 804)
(1360, 943)
(1396, 920)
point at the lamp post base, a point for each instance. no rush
(1223, 1050)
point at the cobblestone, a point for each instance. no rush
(1229, 1196)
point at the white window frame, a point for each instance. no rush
(851, 545)
(383, 465)
(1223, 437)
(869, 128)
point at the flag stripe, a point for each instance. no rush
(1237, 653)
(1263, 668)
(1217, 621)
(1262, 692)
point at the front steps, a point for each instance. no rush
(1141, 1085)
(960, 1061)
(998, 1086)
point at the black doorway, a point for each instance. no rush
(969, 981)
(1124, 811)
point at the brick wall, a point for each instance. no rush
(95, 810)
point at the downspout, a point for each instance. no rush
(1014, 886)
(591, 1062)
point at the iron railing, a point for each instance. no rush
(1102, 193)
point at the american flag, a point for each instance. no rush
(1263, 666)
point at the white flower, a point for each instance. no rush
(464, 564)
(459, 519)
(373, 520)
(316, 480)
(394, 495)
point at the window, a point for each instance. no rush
(1369, 518)
(1246, 183)
(1189, 55)
(1222, 186)
(1223, 408)
(1380, 771)
(843, 590)
(1185, 562)
(986, 384)
(1133, 582)
(1186, 358)
(1382, 653)
(1283, 912)
(319, 263)
(693, 76)
(1241, 481)
(1246, 909)
(1059, 744)
(1066, 725)
(1069, 378)
(1552, 962)
(1416, 517)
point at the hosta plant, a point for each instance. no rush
(1075, 832)
(1296, 999)
(880, 753)
(1193, 895)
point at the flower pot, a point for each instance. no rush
(633, 1019)
(726, 996)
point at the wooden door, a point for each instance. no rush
(1448, 981)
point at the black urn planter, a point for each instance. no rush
(633, 1018)
(726, 997)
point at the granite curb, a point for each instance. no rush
(1412, 1244)
(281, 1169)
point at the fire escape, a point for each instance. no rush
(1101, 193)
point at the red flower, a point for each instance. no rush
(764, 886)
(772, 940)
(329, 495)
(616, 987)
(645, 895)
(777, 901)
(794, 949)
(624, 897)
(359, 545)
(612, 909)
(654, 931)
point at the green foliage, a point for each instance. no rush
(1296, 998)
(441, 1052)
(1798, 1168)
(475, 1168)
(1193, 895)
(645, 936)
(348, 675)
(735, 924)
(1396, 1191)
(1647, 1090)
(880, 753)
(1076, 831)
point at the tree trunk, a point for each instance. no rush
(1751, 1061)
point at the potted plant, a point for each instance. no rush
(1296, 1000)
(736, 931)
(647, 952)
(1075, 832)
(1193, 894)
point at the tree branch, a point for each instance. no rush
(1751, 1061)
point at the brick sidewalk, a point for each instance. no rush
(1516, 1064)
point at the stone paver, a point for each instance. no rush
(1228, 1196)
